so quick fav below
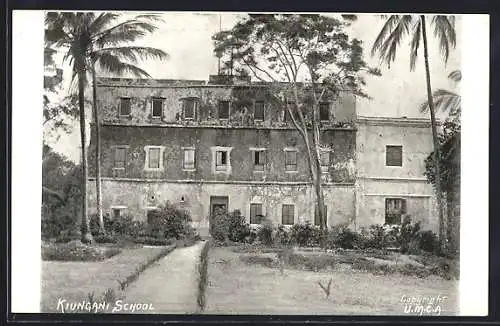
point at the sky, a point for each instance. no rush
(186, 37)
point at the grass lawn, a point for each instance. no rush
(235, 287)
(73, 281)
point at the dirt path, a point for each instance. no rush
(169, 286)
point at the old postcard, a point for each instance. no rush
(249, 163)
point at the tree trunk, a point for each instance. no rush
(439, 194)
(98, 188)
(85, 226)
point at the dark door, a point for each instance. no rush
(218, 203)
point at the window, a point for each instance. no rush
(395, 208)
(290, 161)
(157, 105)
(255, 213)
(287, 214)
(224, 110)
(189, 159)
(394, 155)
(324, 111)
(221, 160)
(116, 213)
(154, 157)
(119, 157)
(124, 106)
(190, 106)
(258, 113)
(316, 215)
(259, 160)
(324, 160)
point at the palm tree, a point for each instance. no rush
(386, 44)
(447, 100)
(92, 44)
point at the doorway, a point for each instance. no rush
(217, 203)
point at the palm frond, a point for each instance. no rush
(415, 43)
(127, 31)
(444, 100)
(152, 17)
(388, 27)
(132, 53)
(102, 21)
(455, 75)
(110, 63)
(444, 31)
(388, 46)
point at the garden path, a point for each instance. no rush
(170, 286)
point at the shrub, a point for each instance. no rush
(251, 237)
(407, 235)
(265, 234)
(282, 236)
(152, 241)
(343, 237)
(376, 237)
(229, 227)
(76, 251)
(238, 228)
(94, 223)
(428, 241)
(302, 234)
(105, 238)
(169, 221)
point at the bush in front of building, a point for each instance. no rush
(303, 234)
(169, 221)
(265, 234)
(230, 226)
(282, 236)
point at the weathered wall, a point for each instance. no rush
(109, 91)
(376, 181)
(372, 139)
(371, 195)
(136, 197)
(340, 141)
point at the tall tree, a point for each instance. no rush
(110, 53)
(303, 59)
(395, 29)
(90, 41)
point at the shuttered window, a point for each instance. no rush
(189, 159)
(223, 110)
(125, 106)
(290, 161)
(255, 213)
(157, 104)
(324, 160)
(259, 111)
(287, 214)
(154, 158)
(119, 157)
(394, 155)
(259, 160)
(190, 108)
(324, 111)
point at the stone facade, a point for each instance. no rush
(356, 181)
